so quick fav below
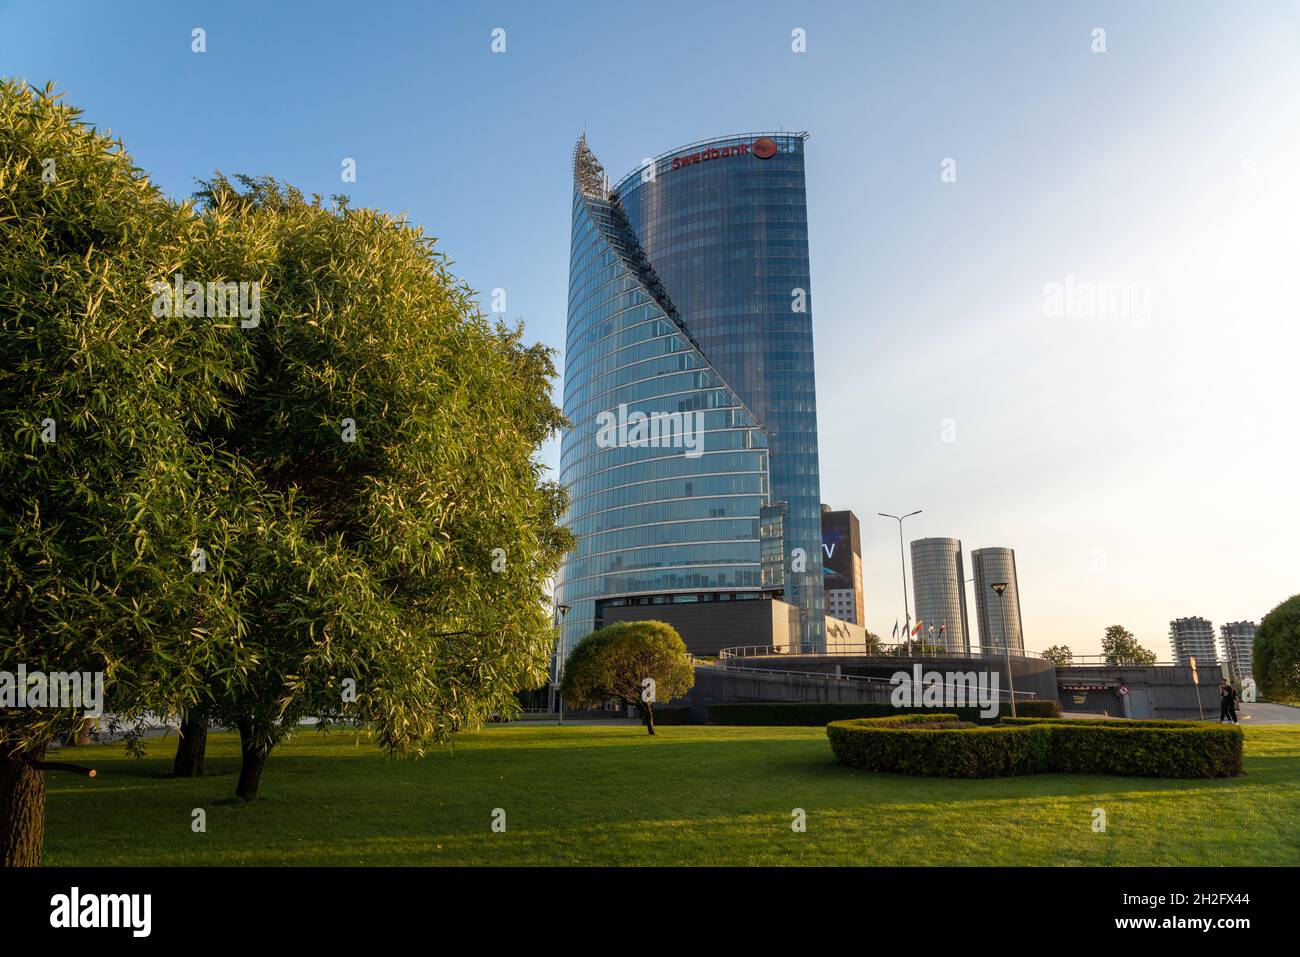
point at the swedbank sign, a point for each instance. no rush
(764, 148)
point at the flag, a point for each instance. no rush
(942, 629)
(917, 630)
(932, 631)
(894, 636)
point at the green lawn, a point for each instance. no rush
(691, 795)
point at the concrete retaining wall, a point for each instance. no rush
(715, 685)
(1159, 692)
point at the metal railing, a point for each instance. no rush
(1100, 660)
(901, 650)
(828, 676)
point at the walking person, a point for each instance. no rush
(1227, 702)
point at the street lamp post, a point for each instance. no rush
(907, 614)
(1001, 587)
(561, 611)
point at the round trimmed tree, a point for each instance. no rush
(639, 662)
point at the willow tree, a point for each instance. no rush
(326, 504)
(103, 492)
(392, 432)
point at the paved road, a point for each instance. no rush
(1260, 713)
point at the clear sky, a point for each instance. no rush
(1144, 464)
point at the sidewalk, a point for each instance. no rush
(1262, 713)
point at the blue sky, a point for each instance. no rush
(1143, 465)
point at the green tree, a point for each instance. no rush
(406, 530)
(331, 508)
(1277, 651)
(1059, 655)
(641, 662)
(99, 506)
(1121, 648)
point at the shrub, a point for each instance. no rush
(931, 745)
(673, 714)
(939, 745)
(803, 713)
(1038, 708)
(1148, 749)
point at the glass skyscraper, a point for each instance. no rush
(939, 587)
(992, 566)
(691, 456)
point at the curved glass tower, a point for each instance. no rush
(939, 590)
(994, 565)
(689, 385)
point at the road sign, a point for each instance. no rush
(1123, 689)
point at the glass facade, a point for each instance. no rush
(842, 565)
(939, 584)
(992, 565)
(689, 318)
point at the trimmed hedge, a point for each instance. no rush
(672, 714)
(938, 745)
(1038, 708)
(819, 713)
(931, 745)
(1165, 749)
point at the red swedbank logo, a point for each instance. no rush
(764, 148)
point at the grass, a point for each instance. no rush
(691, 795)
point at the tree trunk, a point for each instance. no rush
(191, 746)
(647, 715)
(79, 736)
(254, 750)
(22, 810)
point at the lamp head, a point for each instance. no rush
(999, 587)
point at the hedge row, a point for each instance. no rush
(1036, 709)
(672, 714)
(819, 713)
(930, 745)
(934, 745)
(1166, 749)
